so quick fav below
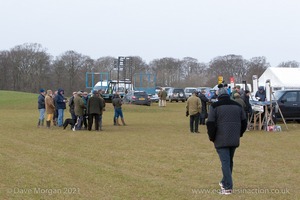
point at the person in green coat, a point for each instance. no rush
(162, 94)
(193, 109)
(94, 109)
(79, 110)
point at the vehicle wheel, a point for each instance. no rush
(176, 100)
(298, 120)
(183, 101)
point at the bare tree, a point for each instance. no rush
(194, 73)
(227, 66)
(168, 71)
(29, 63)
(68, 69)
(256, 66)
(6, 73)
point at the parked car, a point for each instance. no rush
(289, 104)
(137, 97)
(176, 94)
(209, 91)
(166, 89)
(154, 97)
(189, 91)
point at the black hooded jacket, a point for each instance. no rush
(226, 122)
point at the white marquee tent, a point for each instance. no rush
(281, 78)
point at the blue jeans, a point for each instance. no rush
(100, 121)
(118, 112)
(226, 157)
(60, 117)
(42, 114)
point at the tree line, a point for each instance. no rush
(28, 67)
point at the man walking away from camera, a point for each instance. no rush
(193, 108)
(225, 125)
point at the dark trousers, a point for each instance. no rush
(202, 118)
(74, 117)
(226, 158)
(100, 121)
(91, 119)
(194, 122)
(85, 120)
(78, 122)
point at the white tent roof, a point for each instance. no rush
(281, 77)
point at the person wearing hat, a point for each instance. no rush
(41, 107)
(50, 108)
(71, 106)
(101, 111)
(94, 109)
(117, 103)
(85, 99)
(204, 100)
(261, 94)
(193, 108)
(60, 106)
(236, 90)
(237, 98)
(79, 110)
(226, 123)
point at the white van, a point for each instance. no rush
(189, 91)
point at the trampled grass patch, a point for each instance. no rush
(154, 157)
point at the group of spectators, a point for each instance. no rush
(227, 120)
(53, 105)
(85, 109)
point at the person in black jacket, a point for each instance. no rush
(41, 107)
(246, 98)
(61, 106)
(226, 123)
(204, 100)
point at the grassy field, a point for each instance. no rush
(154, 157)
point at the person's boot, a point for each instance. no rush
(123, 122)
(48, 124)
(42, 122)
(39, 123)
(54, 122)
(100, 126)
(117, 122)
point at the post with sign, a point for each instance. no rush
(220, 79)
(231, 83)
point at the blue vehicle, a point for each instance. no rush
(209, 91)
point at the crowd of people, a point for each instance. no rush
(226, 123)
(225, 120)
(85, 109)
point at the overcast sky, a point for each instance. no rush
(151, 29)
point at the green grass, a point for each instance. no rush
(154, 157)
